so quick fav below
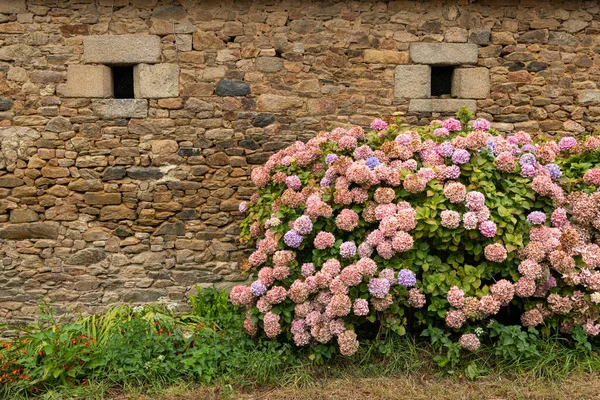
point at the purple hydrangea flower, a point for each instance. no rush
(453, 172)
(554, 171)
(527, 158)
(258, 288)
(347, 250)
(491, 146)
(325, 183)
(527, 170)
(567, 142)
(331, 158)
(407, 278)
(372, 162)
(461, 156)
(536, 217)
(243, 206)
(379, 287)
(292, 238)
(446, 149)
(529, 147)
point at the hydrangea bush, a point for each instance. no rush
(450, 225)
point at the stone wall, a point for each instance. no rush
(108, 200)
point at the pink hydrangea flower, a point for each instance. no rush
(379, 124)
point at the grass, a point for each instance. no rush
(414, 387)
(144, 355)
(396, 368)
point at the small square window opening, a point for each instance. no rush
(123, 82)
(441, 81)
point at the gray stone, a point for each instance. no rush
(480, 36)
(156, 81)
(559, 38)
(12, 6)
(188, 152)
(37, 230)
(86, 257)
(412, 81)
(262, 120)
(121, 49)
(87, 81)
(123, 231)
(113, 173)
(589, 97)
(471, 83)
(536, 66)
(443, 53)
(144, 173)
(142, 296)
(441, 105)
(187, 214)
(171, 228)
(58, 124)
(232, 88)
(269, 64)
(6, 103)
(120, 108)
(19, 216)
(537, 36)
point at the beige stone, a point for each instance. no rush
(87, 81)
(412, 81)
(441, 105)
(164, 146)
(121, 49)
(12, 6)
(156, 81)
(443, 53)
(272, 102)
(385, 56)
(269, 64)
(471, 83)
(97, 198)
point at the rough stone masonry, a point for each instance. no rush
(106, 200)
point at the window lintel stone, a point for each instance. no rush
(443, 53)
(121, 49)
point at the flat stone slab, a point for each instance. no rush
(441, 105)
(443, 53)
(87, 81)
(36, 230)
(412, 81)
(156, 81)
(121, 49)
(471, 83)
(120, 108)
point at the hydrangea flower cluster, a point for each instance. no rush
(353, 222)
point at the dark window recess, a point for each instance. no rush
(123, 82)
(441, 80)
